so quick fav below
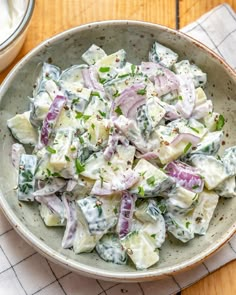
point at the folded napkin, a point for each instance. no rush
(23, 271)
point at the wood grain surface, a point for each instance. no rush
(53, 16)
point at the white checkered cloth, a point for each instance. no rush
(23, 271)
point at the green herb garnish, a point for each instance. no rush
(195, 186)
(188, 146)
(67, 158)
(194, 129)
(104, 69)
(80, 115)
(79, 166)
(95, 93)
(151, 181)
(51, 150)
(141, 191)
(220, 123)
(102, 80)
(116, 93)
(142, 91)
(118, 111)
(28, 176)
(187, 224)
(103, 114)
(123, 76)
(133, 68)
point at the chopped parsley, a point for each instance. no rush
(142, 173)
(103, 114)
(25, 187)
(95, 93)
(116, 93)
(142, 91)
(67, 158)
(123, 76)
(194, 129)
(220, 123)
(195, 186)
(27, 175)
(102, 80)
(79, 166)
(81, 140)
(151, 181)
(118, 111)
(104, 69)
(153, 236)
(93, 126)
(187, 224)
(133, 68)
(51, 150)
(80, 115)
(141, 191)
(180, 97)
(188, 146)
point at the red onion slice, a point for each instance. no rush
(126, 212)
(71, 224)
(51, 118)
(130, 100)
(185, 175)
(188, 137)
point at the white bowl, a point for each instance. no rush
(13, 44)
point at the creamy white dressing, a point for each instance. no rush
(12, 13)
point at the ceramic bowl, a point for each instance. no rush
(65, 50)
(13, 44)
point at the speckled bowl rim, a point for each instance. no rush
(73, 265)
(21, 26)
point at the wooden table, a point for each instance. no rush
(54, 16)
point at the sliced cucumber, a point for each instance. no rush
(204, 210)
(26, 178)
(60, 150)
(229, 160)
(40, 107)
(93, 54)
(154, 223)
(50, 218)
(162, 55)
(110, 249)
(209, 145)
(212, 170)
(22, 129)
(152, 180)
(200, 96)
(48, 72)
(98, 218)
(141, 249)
(227, 188)
(84, 242)
(184, 67)
(180, 226)
(115, 60)
(147, 211)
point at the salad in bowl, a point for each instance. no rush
(123, 155)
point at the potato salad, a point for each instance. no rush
(123, 155)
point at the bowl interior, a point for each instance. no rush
(65, 50)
